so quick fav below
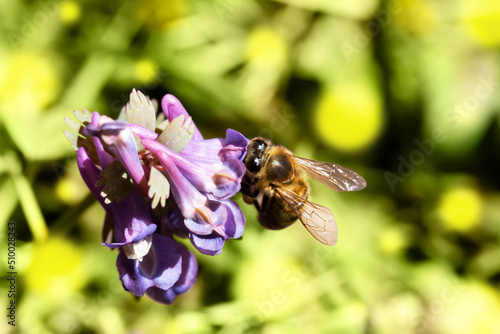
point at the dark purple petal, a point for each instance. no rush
(235, 223)
(104, 157)
(123, 146)
(234, 138)
(174, 222)
(161, 267)
(234, 146)
(90, 173)
(185, 282)
(132, 220)
(143, 233)
(118, 138)
(208, 244)
(172, 108)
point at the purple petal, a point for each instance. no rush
(235, 223)
(234, 146)
(172, 108)
(208, 244)
(174, 222)
(185, 282)
(118, 138)
(235, 138)
(198, 226)
(143, 233)
(203, 150)
(187, 197)
(189, 271)
(161, 267)
(221, 181)
(132, 220)
(218, 149)
(203, 226)
(125, 150)
(142, 132)
(104, 157)
(90, 173)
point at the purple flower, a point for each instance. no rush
(167, 270)
(136, 168)
(131, 217)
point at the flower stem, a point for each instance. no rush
(30, 207)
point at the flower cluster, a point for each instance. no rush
(157, 177)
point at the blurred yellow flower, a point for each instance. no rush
(271, 286)
(69, 188)
(266, 47)
(145, 71)
(160, 14)
(56, 269)
(70, 11)
(475, 309)
(482, 21)
(460, 208)
(30, 83)
(417, 16)
(349, 118)
(392, 240)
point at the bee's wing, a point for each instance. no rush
(317, 219)
(336, 177)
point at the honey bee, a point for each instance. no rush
(275, 183)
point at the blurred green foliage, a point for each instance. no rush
(404, 91)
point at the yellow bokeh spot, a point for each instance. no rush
(270, 286)
(460, 208)
(469, 308)
(392, 241)
(349, 118)
(416, 16)
(146, 71)
(481, 20)
(266, 47)
(56, 269)
(161, 14)
(69, 189)
(30, 83)
(70, 11)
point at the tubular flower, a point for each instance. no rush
(157, 177)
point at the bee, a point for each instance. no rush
(275, 184)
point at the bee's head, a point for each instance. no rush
(255, 149)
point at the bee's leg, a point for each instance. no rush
(248, 191)
(247, 186)
(266, 201)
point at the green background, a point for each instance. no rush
(404, 92)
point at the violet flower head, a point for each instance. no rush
(157, 177)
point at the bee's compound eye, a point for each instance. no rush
(261, 145)
(254, 165)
